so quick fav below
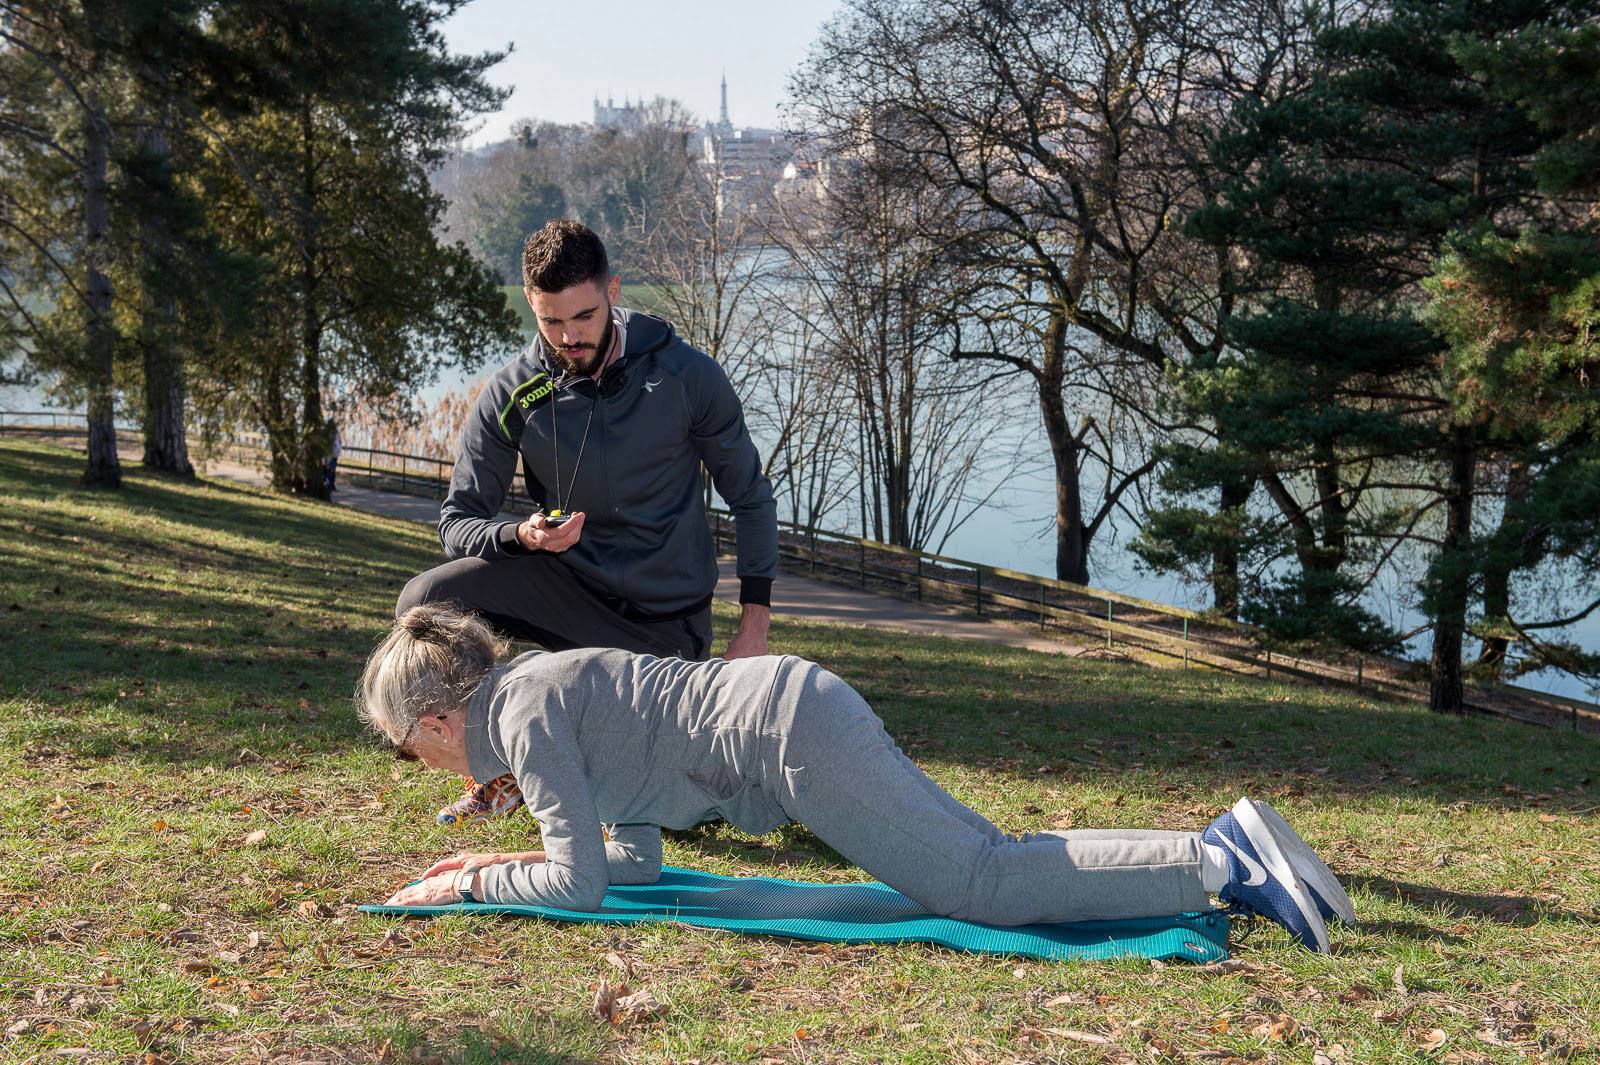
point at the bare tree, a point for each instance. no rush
(884, 294)
(1069, 134)
(797, 415)
(703, 266)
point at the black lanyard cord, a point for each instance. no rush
(555, 449)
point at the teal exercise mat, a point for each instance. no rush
(866, 913)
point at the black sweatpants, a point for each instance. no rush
(536, 598)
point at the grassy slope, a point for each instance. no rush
(175, 663)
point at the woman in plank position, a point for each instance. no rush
(609, 747)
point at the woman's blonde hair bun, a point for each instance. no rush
(430, 663)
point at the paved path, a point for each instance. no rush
(793, 596)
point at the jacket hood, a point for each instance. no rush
(646, 334)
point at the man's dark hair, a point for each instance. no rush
(562, 254)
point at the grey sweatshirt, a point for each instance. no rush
(626, 450)
(601, 737)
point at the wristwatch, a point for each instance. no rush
(464, 885)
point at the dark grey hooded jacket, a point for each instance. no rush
(626, 450)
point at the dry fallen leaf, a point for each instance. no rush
(1078, 1037)
(639, 1006)
(604, 1004)
(256, 838)
(1230, 965)
(1278, 1028)
(1400, 979)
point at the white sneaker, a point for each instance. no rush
(1319, 879)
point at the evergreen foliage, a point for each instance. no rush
(236, 193)
(325, 187)
(1520, 312)
(1334, 196)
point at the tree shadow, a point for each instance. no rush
(1519, 911)
(322, 582)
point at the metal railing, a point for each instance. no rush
(1196, 638)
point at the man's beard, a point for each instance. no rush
(584, 364)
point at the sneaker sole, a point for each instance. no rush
(1282, 869)
(1312, 869)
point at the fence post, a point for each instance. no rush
(813, 549)
(977, 576)
(1269, 663)
(1108, 624)
(1041, 608)
(1185, 643)
(861, 563)
(1360, 661)
(919, 576)
(403, 482)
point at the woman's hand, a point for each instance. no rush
(433, 891)
(466, 860)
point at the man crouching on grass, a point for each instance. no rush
(613, 417)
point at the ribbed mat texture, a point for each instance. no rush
(867, 913)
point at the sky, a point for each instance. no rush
(567, 53)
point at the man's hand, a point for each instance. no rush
(434, 891)
(535, 535)
(478, 861)
(751, 639)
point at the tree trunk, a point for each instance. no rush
(104, 470)
(1499, 565)
(1072, 540)
(1225, 558)
(1449, 592)
(165, 446)
(314, 448)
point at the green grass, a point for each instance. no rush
(175, 669)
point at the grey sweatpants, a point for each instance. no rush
(846, 780)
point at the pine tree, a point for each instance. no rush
(1330, 398)
(1521, 313)
(326, 188)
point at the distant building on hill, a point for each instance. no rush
(629, 118)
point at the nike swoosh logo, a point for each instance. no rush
(1258, 875)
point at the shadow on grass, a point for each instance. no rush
(166, 643)
(1520, 911)
(473, 1046)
